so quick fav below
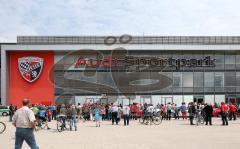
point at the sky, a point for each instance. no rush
(117, 17)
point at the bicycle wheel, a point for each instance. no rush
(141, 120)
(146, 120)
(60, 126)
(157, 120)
(2, 127)
(43, 125)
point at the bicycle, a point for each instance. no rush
(155, 118)
(2, 127)
(61, 126)
(40, 124)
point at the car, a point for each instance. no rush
(4, 110)
(216, 112)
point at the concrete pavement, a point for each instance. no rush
(174, 134)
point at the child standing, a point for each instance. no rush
(97, 116)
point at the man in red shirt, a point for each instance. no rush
(224, 113)
(134, 111)
(232, 112)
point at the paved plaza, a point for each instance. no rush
(175, 134)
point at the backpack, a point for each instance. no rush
(42, 113)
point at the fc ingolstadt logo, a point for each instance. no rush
(30, 67)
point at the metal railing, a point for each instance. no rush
(191, 40)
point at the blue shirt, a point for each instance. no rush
(42, 113)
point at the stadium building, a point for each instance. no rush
(121, 69)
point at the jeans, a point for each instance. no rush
(73, 122)
(224, 119)
(126, 119)
(27, 135)
(232, 115)
(63, 120)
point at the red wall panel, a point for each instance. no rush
(39, 91)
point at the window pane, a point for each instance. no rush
(238, 61)
(198, 79)
(187, 79)
(177, 79)
(238, 78)
(208, 79)
(113, 99)
(219, 79)
(125, 101)
(229, 61)
(219, 61)
(209, 99)
(178, 99)
(219, 99)
(156, 99)
(229, 79)
(187, 99)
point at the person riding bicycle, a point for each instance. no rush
(150, 111)
(42, 115)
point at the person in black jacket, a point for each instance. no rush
(11, 112)
(208, 110)
(192, 112)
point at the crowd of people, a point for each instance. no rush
(97, 112)
(25, 118)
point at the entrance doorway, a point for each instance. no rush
(104, 100)
(146, 99)
(167, 99)
(231, 99)
(198, 99)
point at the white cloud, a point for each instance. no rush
(104, 17)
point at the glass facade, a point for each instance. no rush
(211, 84)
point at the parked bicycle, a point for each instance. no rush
(2, 127)
(148, 118)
